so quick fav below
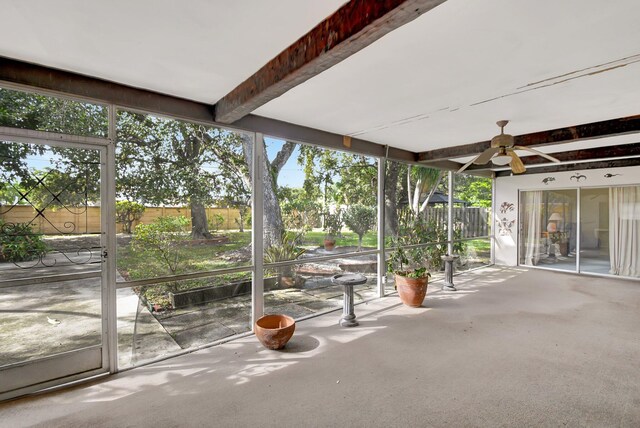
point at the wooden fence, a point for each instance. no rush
(474, 221)
(81, 220)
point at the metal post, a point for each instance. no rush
(492, 221)
(450, 216)
(577, 230)
(382, 265)
(108, 201)
(257, 229)
(450, 257)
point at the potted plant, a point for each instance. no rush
(332, 227)
(410, 273)
(562, 240)
(285, 251)
(409, 263)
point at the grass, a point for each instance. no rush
(350, 239)
(141, 265)
(138, 264)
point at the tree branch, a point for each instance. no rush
(283, 156)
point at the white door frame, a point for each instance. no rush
(50, 371)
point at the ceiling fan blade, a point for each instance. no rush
(467, 165)
(486, 155)
(516, 163)
(537, 152)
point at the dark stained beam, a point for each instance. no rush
(350, 29)
(303, 134)
(615, 163)
(596, 153)
(606, 128)
(103, 91)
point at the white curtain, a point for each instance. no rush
(533, 206)
(624, 231)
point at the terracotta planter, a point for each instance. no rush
(274, 331)
(329, 244)
(412, 291)
(564, 248)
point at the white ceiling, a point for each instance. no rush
(441, 80)
(193, 49)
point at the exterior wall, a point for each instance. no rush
(507, 188)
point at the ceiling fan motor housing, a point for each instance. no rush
(502, 140)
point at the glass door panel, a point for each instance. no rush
(594, 230)
(548, 234)
(51, 287)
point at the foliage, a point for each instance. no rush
(298, 211)
(426, 181)
(409, 259)
(360, 219)
(244, 218)
(162, 238)
(288, 249)
(406, 259)
(557, 237)
(332, 176)
(46, 113)
(19, 243)
(333, 223)
(128, 212)
(215, 222)
(475, 190)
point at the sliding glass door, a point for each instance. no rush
(548, 228)
(608, 239)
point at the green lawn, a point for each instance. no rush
(134, 265)
(139, 264)
(316, 238)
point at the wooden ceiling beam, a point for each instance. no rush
(605, 164)
(603, 129)
(596, 153)
(350, 29)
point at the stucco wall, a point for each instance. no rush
(507, 188)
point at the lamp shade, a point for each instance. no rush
(555, 217)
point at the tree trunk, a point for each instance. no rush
(199, 225)
(391, 198)
(272, 217)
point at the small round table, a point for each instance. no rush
(348, 280)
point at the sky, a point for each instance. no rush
(291, 174)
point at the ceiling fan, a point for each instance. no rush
(502, 152)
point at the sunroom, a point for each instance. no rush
(166, 182)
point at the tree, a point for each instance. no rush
(476, 190)
(360, 219)
(426, 180)
(272, 214)
(127, 213)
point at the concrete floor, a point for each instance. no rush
(513, 347)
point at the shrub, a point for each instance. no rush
(19, 243)
(360, 219)
(163, 238)
(333, 223)
(215, 222)
(127, 213)
(287, 250)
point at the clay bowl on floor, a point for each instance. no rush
(274, 331)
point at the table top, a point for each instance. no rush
(349, 279)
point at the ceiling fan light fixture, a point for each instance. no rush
(502, 158)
